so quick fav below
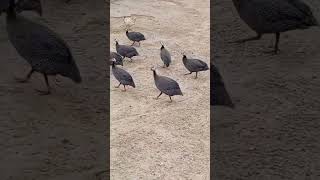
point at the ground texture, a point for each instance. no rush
(274, 131)
(156, 139)
(63, 135)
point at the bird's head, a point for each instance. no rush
(162, 46)
(115, 40)
(29, 5)
(153, 69)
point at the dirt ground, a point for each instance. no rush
(63, 135)
(274, 131)
(156, 139)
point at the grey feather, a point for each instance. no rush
(166, 85)
(165, 56)
(122, 76)
(194, 65)
(117, 57)
(135, 36)
(126, 51)
(45, 51)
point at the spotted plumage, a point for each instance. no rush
(166, 85)
(274, 16)
(194, 65)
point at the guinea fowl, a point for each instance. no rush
(218, 94)
(126, 51)
(43, 49)
(135, 37)
(165, 56)
(194, 65)
(117, 57)
(122, 76)
(274, 16)
(166, 85)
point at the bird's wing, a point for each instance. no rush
(165, 54)
(44, 44)
(197, 63)
(167, 84)
(136, 35)
(122, 75)
(275, 10)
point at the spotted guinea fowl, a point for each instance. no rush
(43, 49)
(122, 76)
(194, 65)
(126, 51)
(165, 56)
(218, 94)
(166, 85)
(274, 16)
(135, 36)
(117, 57)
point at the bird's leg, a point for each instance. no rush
(196, 75)
(139, 43)
(276, 47)
(170, 99)
(133, 43)
(158, 96)
(23, 80)
(118, 85)
(47, 92)
(188, 73)
(57, 81)
(124, 86)
(248, 39)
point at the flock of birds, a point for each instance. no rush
(45, 51)
(48, 54)
(166, 85)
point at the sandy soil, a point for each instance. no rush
(274, 131)
(156, 139)
(63, 135)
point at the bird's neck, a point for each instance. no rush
(155, 74)
(184, 58)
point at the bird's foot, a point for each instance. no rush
(187, 74)
(21, 80)
(43, 93)
(272, 52)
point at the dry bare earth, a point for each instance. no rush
(274, 132)
(59, 136)
(156, 139)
